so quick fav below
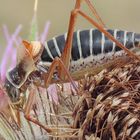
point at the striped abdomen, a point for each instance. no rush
(90, 47)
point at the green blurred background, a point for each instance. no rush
(120, 14)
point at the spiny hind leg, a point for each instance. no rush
(28, 108)
(59, 65)
(57, 62)
(66, 54)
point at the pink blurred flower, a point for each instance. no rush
(10, 52)
(9, 58)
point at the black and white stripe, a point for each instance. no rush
(87, 43)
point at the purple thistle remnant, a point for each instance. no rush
(8, 56)
(8, 50)
(45, 32)
(13, 59)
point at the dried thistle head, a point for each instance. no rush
(114, 111)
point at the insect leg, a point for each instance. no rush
(58, 63)
(28, 108)
(93, 22)
(66, 55)
(15, 115)
(30, 102)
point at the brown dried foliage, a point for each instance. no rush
(108, 108)
(112, 108)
